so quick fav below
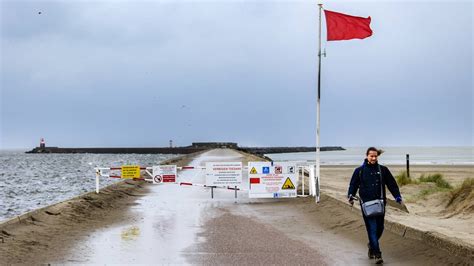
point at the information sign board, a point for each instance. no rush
(130, 171)
(223, 173)
(272, 180)
(164, 174)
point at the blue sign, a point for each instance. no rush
(266, 170)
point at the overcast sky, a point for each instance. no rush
(139, 73)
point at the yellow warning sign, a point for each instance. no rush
(288, 184)
(253, 171)
(130, 171)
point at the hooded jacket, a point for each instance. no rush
(367, 180)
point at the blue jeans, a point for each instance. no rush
(374, 226)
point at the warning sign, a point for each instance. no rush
(277, 180)
(157, 179)
(164, 173)
(253, 171)
(130, 171)
(291, 169)
(278, 170)
(288, 184)
(223, 173)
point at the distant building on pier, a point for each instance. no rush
(229, 145)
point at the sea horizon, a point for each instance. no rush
(354, 146)
(440, 155)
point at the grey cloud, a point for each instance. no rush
(246, 71)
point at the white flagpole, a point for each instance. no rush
(318, 110)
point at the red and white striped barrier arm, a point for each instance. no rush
(117, 176)
(191, 168)
(202, 185)
(197, 167)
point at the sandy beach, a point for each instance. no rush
(136, 222)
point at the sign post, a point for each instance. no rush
(302, 180)
(223, 174)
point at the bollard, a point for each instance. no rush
(408, 165)
(302, 180)
(312, 184)
(97, 181)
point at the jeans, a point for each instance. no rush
(374, 226)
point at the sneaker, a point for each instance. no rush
(370, 253)
(378, 259)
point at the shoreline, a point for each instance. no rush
(183, 159)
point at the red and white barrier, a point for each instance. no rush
(100, 172)
(149, 177)
(314, 183)
(203, 185)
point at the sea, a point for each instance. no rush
(32, 181)
(390, 156)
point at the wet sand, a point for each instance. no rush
(135, 222)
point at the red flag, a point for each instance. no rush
(345, 27)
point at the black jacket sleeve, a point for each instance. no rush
(391, 183)
(355, 183)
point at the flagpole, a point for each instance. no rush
(318, 112)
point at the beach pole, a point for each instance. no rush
(302, 180)
(408, 165)
(318, 107)
(97, 181)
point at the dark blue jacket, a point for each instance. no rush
(366, 179)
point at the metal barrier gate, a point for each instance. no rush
(160, 174)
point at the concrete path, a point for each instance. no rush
(166, 221)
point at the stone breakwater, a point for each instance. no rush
(181, 150)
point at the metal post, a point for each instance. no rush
(318, 106)
(235, 192)
(408, 165)
(212, 192)
(302, 180)
(97, 181)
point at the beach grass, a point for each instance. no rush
(436, 178)
(403, 179)
(426, 192)
(466, 187)
(437, 181)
